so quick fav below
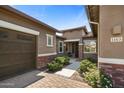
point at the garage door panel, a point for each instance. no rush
(12, 69)
(16, 57)
(17, 53)
(17, 47)
(15, 68)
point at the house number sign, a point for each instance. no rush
(116, 39)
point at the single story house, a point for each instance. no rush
(107, 23)
(27, 43)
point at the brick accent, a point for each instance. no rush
(43, 61)
(115, 71)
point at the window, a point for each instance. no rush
(24, 37)
(49, 40)
(60, 47)
(90, 46)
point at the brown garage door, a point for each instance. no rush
(17, 52)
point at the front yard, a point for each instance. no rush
(63, 72)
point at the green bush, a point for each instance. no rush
(96, 78)
(58, 63)
(105, 80)
(92, 77)
(85, 65)
(62, 60)
(92, 60)
(54, 66)
(67, 59)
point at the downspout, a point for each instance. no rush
(98, 29)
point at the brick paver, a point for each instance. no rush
(56, 81)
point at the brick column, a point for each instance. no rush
(81, 47)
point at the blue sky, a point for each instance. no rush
(58, 16)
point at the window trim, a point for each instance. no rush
(51, 36)
(59, 46)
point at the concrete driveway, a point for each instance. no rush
(22, 80)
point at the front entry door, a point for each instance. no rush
(75, 49)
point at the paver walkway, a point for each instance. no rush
(56, 81)
(69, 70)
(61, 79)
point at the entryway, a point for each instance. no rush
(72, 49)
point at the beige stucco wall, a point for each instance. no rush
(109, 17)
(19, 20)
(74, 34)
(42, 42)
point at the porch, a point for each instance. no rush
(85, 48)
(72, 48)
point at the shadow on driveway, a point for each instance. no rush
(22, 80)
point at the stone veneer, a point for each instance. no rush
(115, 71)
(42, 61)
(80, 51)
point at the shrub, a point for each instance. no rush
(92, 60)
(85, 65)
(67, 59)
(54, 66)
(97, 78)
(62, 60)
(92, 77)
(58, 63)
(105, 80)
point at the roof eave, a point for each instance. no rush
(9, 8)
(91, 18)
